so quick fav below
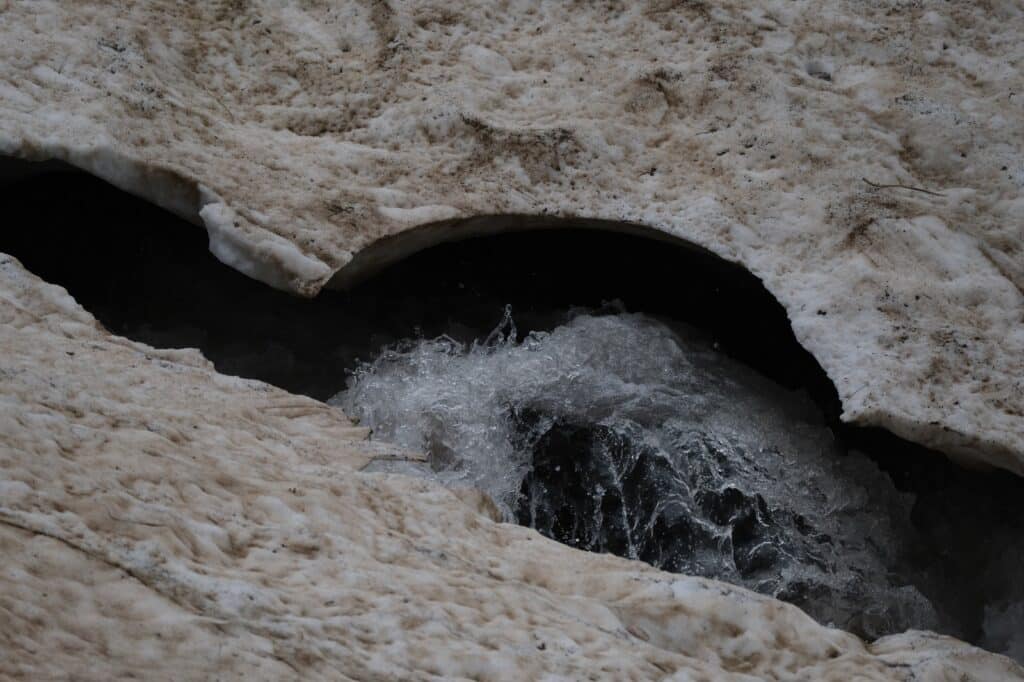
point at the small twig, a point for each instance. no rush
(916, 189)
(223, 106)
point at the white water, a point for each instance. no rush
(615, 432)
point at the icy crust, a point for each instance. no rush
(274, 260)
(864, 160)
(159, 520)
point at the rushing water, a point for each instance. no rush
(616, 432)
(613, 432)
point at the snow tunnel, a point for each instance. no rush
(616, 390)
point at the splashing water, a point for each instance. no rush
(617, 433)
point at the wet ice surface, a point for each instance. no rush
(617, 433)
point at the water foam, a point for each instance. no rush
(616, 432)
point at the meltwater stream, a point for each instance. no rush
(612, 432)
(615, 432)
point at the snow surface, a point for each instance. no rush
(863, 159)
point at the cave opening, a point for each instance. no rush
(148, 275)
